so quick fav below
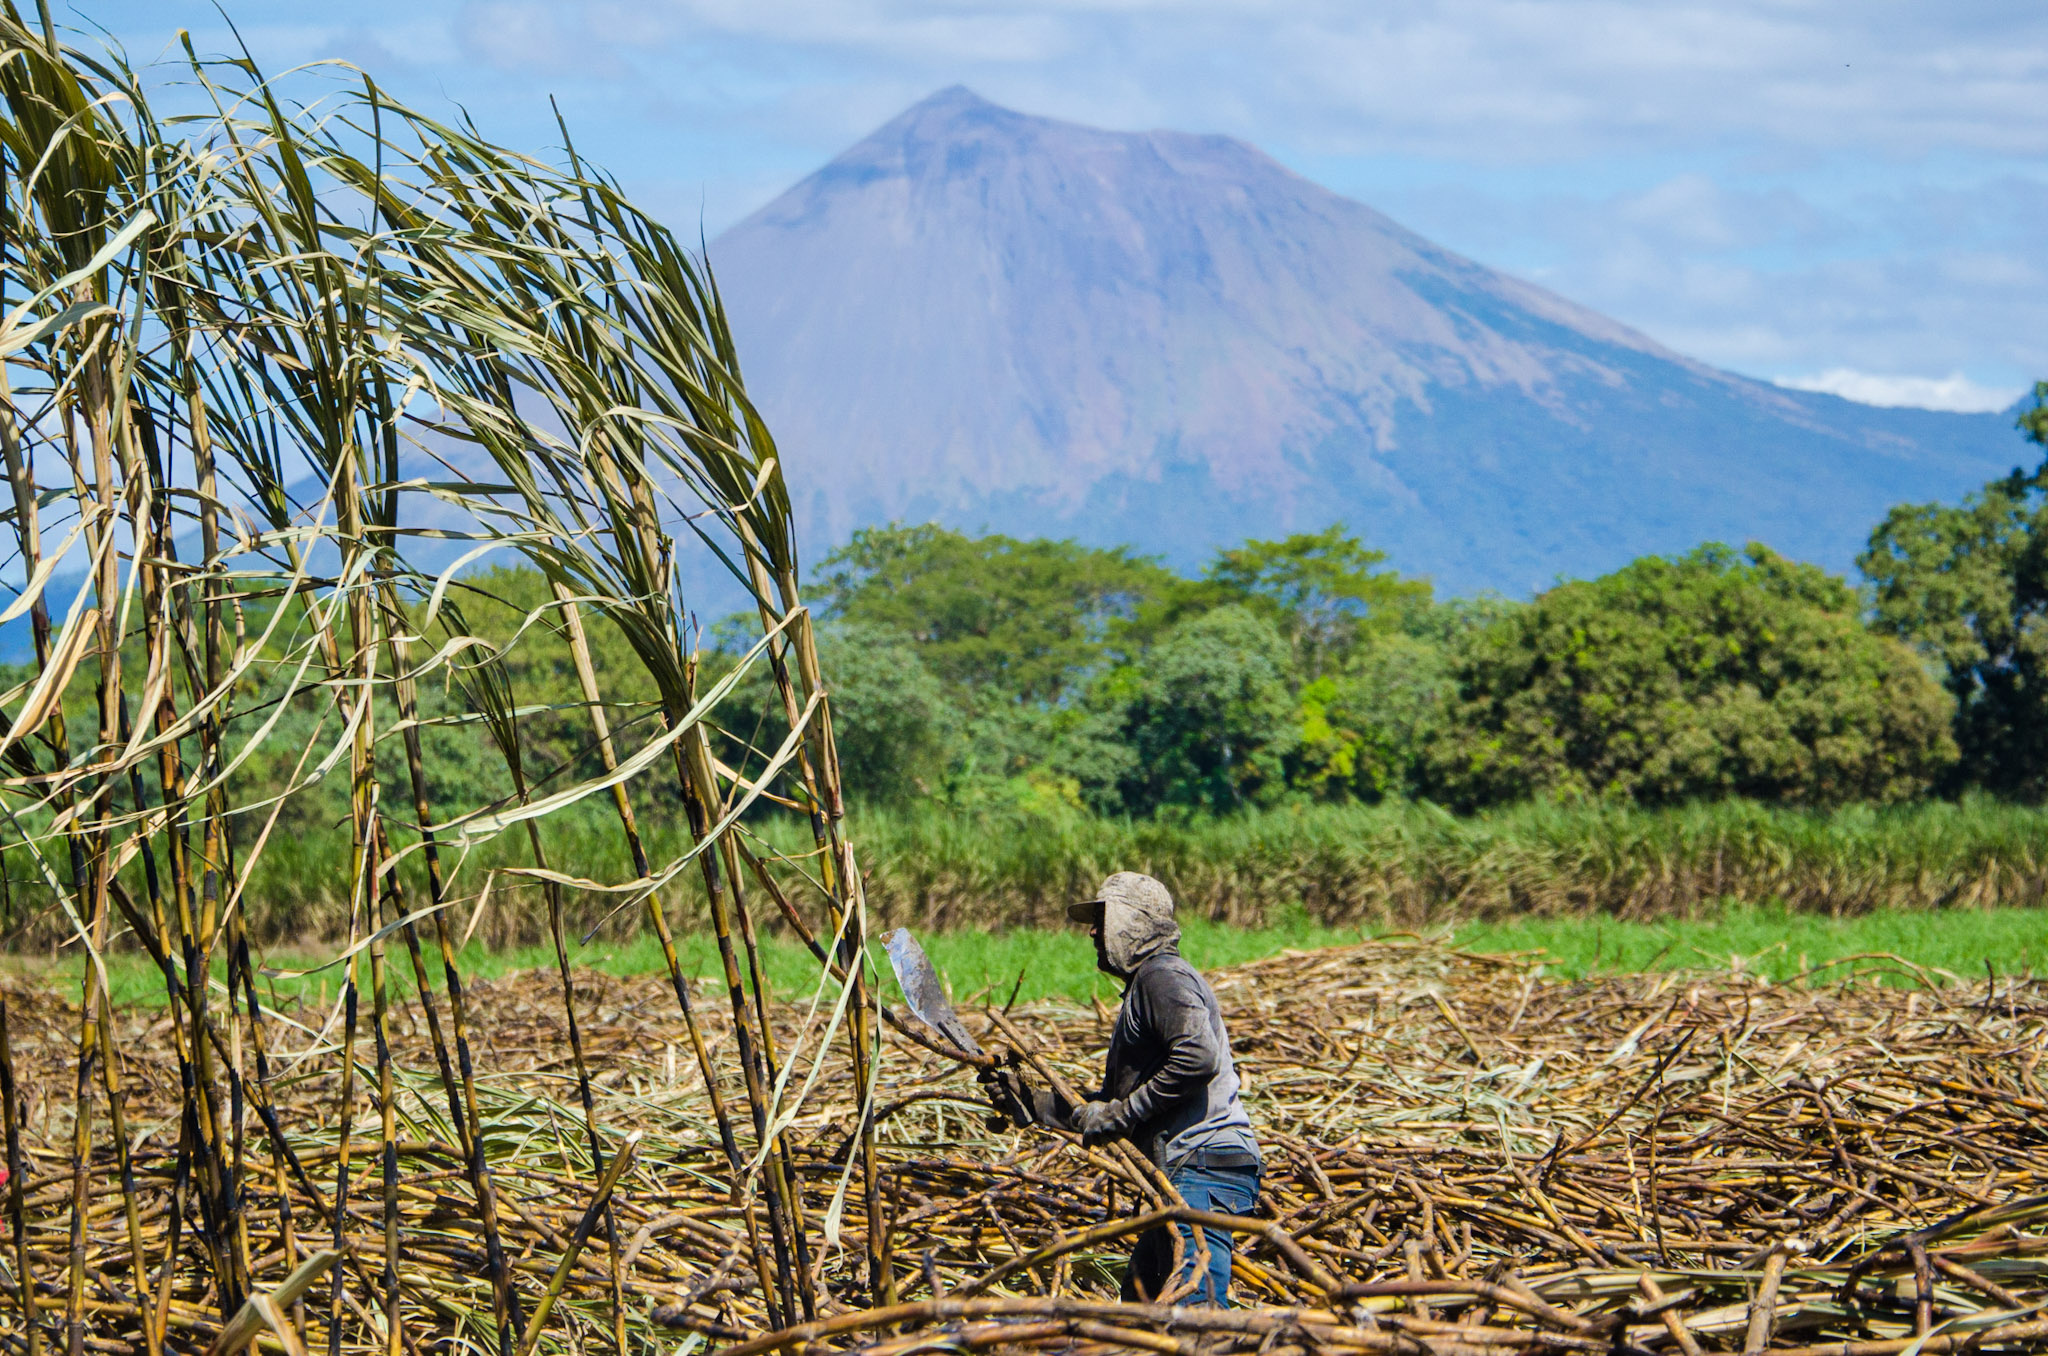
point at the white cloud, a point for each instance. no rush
(1778, 186)
(1773, 274)
(1486, 80)
(1952, 392)
(523, 35)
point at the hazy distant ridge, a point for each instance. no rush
(1006, 321)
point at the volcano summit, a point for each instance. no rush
(1000, 321)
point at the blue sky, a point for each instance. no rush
(1841, 193)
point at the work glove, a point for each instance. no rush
(1022, 1103)
(1098, 1121)
(1007, 1093)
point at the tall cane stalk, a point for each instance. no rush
(274, 374)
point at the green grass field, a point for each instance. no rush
(1378, 866)
(1772, 942)
(1038, 964)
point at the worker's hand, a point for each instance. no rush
(1098, 1121)
(1008, 1093)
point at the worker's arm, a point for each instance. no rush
(1172, 1016)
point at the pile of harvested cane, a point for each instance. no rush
(1462, 1156)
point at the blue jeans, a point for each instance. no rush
(1227, 1191)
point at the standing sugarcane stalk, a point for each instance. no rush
(745, 1038)
(24, 1276)
(490, 691)
(842, 884)
(227, 359)
(98, 380)
(648, 559)
(786, 1185)
(194, 632)
(757, 976)
(140, 516)
(380, 1020)
(116, 1093)
(29, 536)
(462, 1107)
(343, 1143)
(589, 1103)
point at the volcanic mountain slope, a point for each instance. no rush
(1006, 322)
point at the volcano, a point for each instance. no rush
(1004, 322)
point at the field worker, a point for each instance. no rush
(1169, 1086)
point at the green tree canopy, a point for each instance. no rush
(1711, 674)
(1363, 728)
(1322, 590)
(896, 730)
(1365, 723)
(2033, 420)
(993, 616)
(1210, 717)
(1967, 585)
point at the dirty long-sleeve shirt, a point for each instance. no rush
(1170, 1064)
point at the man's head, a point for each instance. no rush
(1129, 919)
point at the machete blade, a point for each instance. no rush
(922, 991)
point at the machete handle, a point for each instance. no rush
(915, 1031)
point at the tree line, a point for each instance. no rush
(987, 669)
(992, 672)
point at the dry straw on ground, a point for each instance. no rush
(1463, 1157)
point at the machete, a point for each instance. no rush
(926, 998)
(922, 991)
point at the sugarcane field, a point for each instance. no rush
(501, 855)
(1461, 1155)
